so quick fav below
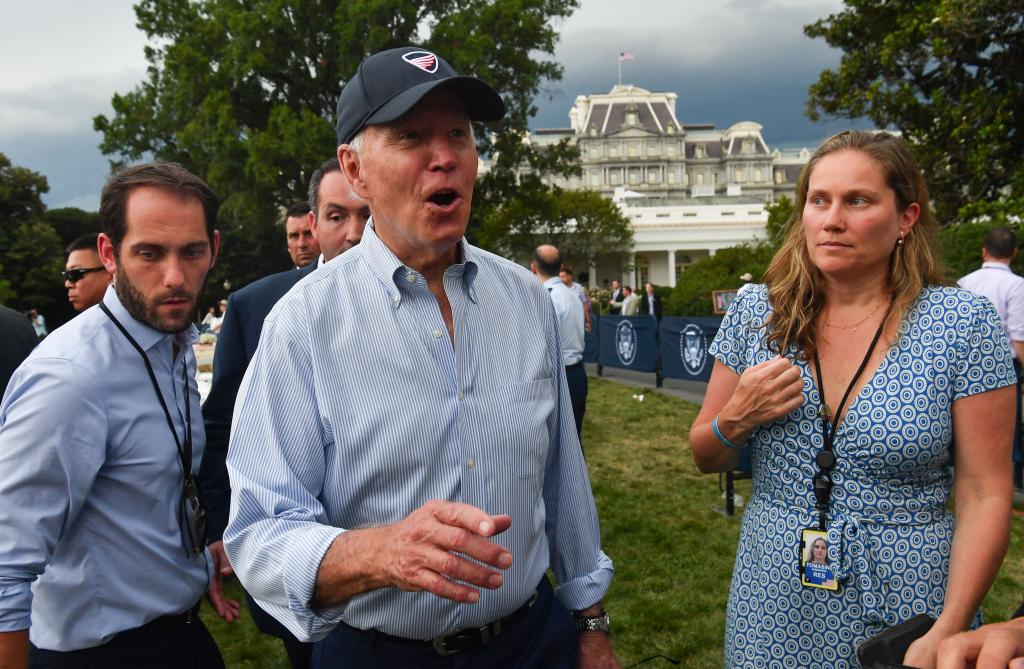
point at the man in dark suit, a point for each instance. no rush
(650, 303)
(19, 338)
(615, 297)
(339, 215)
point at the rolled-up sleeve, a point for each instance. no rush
(53, 431)
(278, 530)
(581, 568)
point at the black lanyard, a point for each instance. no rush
(193, 528)
(826, 458)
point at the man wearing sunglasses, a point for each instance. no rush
(85, 277)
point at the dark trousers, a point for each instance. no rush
(545, 638)
(165, 643)
(299, 652)
(576, 378)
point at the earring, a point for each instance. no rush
(899, 242)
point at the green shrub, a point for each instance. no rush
(692, 294)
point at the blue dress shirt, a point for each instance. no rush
(90, 484)
(569, 312)
(357, 409)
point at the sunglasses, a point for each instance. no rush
(77, 274)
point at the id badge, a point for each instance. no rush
(195, 511)
(815, 570)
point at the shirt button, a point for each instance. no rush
(397, 298)
(461, 396)
(437, 334)
(472, 463)
(411, 278)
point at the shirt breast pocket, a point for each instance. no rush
(524, 413)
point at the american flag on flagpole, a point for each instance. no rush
(627, 55)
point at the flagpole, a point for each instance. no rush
(620, 69)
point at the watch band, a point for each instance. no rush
(599, 623)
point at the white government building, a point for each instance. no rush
(688, 189)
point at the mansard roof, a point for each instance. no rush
(606, 113)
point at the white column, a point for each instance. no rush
(632, 271)
(592, 282)
(672, 268)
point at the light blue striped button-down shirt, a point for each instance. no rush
(357, 409)
(90, 483)
(569, 312)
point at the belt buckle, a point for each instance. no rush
(440, 644)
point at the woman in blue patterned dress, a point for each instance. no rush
(856, 302)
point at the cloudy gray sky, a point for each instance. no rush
(729, 60)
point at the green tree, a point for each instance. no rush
(945, 73)
(21, 194)
(584, 226)
(692, 294)
(72, 222)
(32, 266)
(780, 214)
(244, 93)
(30, 250)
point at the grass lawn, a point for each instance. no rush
(673, 554)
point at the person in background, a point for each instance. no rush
(1005, 290)
(85, 277)
(217, 322)
(38, 322)
(650, 303)
(337, 214)
(338, 217)
(569, 312)
(567, 278)
(302, 245)
(630, 303)
(615, 299)
(848, 375)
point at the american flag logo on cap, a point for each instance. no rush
(424, 60)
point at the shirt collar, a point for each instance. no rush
(396, 277)
(993, 264)
(146, 336)
(552, 282)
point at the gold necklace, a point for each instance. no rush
(858, 323)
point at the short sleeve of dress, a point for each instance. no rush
(734, 339)
(984, 361)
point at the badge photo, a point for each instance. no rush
(815, 570)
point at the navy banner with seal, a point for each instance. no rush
(629, 342)
(684, 347)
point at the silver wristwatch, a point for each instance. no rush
(601, 623)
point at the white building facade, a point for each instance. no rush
(688, 190)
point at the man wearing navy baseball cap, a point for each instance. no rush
(405, 466)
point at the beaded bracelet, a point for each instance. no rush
(721, 437)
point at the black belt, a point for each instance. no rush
(574, 366)
(160, 624)
(461, 641)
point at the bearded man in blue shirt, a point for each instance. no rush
(404, 462)
(100, 438)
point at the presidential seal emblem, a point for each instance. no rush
(625, 342)
(693, 348)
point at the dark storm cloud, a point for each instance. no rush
(728, 62)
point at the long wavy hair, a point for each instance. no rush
(794, 283)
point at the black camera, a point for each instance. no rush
(886, 650)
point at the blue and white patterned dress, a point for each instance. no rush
(889, 532)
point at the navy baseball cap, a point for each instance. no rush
(390, 83)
